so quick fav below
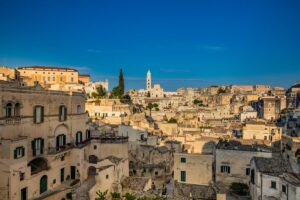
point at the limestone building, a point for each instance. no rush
(47, 149)
(233, 161)
(48, 75)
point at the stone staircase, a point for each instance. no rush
(82, 192)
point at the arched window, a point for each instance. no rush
(8, 110)
(17, 109)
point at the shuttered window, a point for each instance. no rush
(78, 137)
(38, 114)
(37, 146)
(62, 113)
(60, 141)
(183, 176)
(88, 134)
(19, 152)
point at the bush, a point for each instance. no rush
(172, 120)
(101, 195)
(129, 196)
(115, 195)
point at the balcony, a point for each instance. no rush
(54, 150)
(83, 143)
(10, 121)
(111, 140)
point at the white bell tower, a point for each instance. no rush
(148, 81)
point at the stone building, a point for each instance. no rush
(269, 107)
(193, 168)
(47, 76)
(224, 99)
(271, 179)
(261, 130)
(291, 95)
(47, 148)
(90, 87)
(232, 161)
(261, 89)
(111, 111)
(7, 73)
(38, 130)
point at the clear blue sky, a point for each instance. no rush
(184, 43)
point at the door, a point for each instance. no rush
(24, 194)
(43, 184)
(62, 175)
(73, 172)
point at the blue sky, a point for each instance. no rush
(184, 43)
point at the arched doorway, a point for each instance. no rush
(38, 164)
(92, 171)
(43, 184)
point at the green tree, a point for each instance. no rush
(121, 83)
(150, 107)
(172, 120)
(198, 102)
(221, 90)
(126, 98)
(101, 195)
(116, 92)
(100, 92)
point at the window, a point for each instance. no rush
(225, 169)
(62, 113)
(8, 110)
(183, 160)
(60, 141)
(61, 79)
(53, 78)
(38, 115)
(48, 78)
(78, 137)
(37, 146)
(22, 176)
(283, 188)
(72, 79)
(107, 176)
(44, 78)
(95, 147)
(17, 110)
(19, 152)
(273, 184)
(78, 109)
(247, 171)
(87, 134)
(183, 176)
